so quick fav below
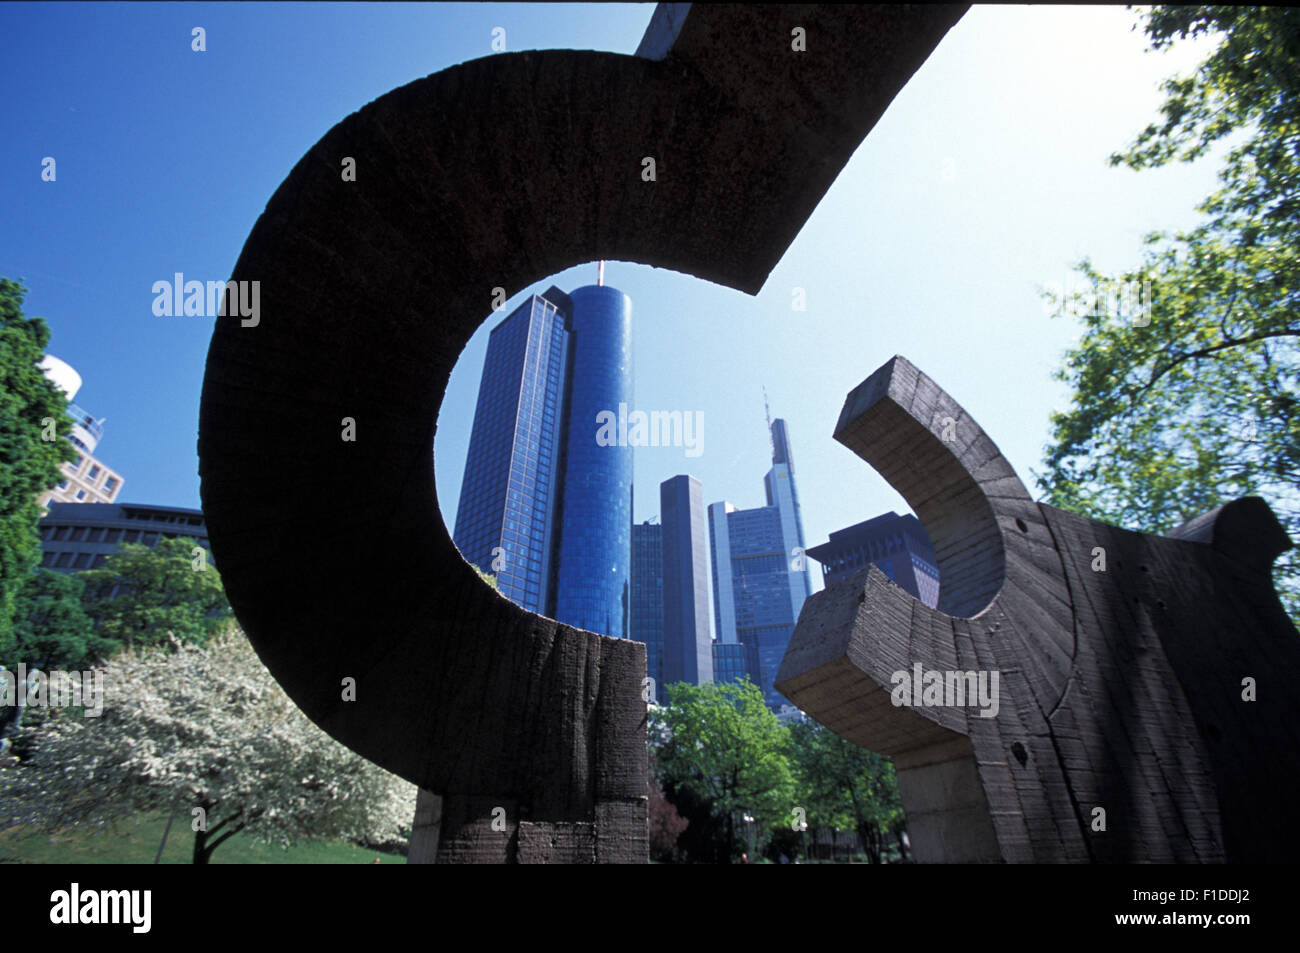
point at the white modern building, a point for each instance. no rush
(85, 478)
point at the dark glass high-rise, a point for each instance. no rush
(544, 507)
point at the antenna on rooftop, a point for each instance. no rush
(768, 411)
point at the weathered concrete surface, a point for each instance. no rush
(1120, 689)
(426, 829)
(497, 173)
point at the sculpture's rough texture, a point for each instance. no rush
(494, 174)
(1121, 658)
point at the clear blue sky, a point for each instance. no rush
(985, 180)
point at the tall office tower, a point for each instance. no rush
(760, 575)
(595, 547)
(509, 496)
(647, 624)
(688, 644)
(782, 494)
(85, 479)
(543, 506)
(897, 544)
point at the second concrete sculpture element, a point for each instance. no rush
(1083, 692)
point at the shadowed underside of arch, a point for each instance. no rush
(496, 173)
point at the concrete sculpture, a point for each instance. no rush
(1083, 692)
(376, 260)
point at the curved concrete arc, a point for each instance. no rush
(317, 421)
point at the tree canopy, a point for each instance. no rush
(143, 596)
(846, 787)
(724, 746)
(51, 627)
(33, 423)
(1193, 404)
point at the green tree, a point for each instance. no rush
(1190, 402)
(723, 745)
(51, 626)
(33, 421)
(51, 631)
(143, 596)
(845, 787)
(208, 733)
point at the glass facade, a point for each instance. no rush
(783, 495)
(509, 493)
(760, 576)
(648, 598)
(733, 661)
(898, 545)
(760, 581)
(542, 506)
(592, 578)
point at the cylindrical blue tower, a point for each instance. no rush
(593, 574)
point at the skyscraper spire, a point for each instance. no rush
(768, 411)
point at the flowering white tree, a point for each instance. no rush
(207, 732)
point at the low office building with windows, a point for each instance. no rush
(77, 536)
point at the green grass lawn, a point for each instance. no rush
(135, 841)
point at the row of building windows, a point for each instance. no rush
(80, 495)
(71, 560)
(867, 553)
(154, 516)
(92, 477)
(103, 534)
(758, 564)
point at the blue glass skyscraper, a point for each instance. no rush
(543, 507)
(760, 573)
(592, 581)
